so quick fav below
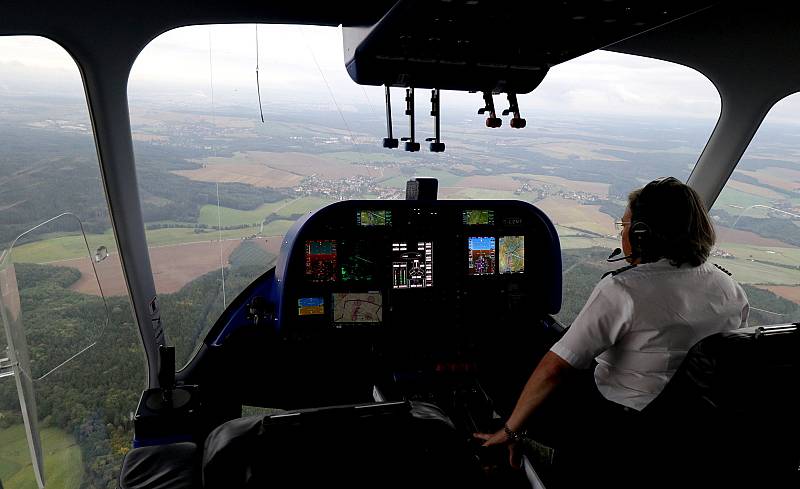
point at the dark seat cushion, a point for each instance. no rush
(173, 466)
(395, 445)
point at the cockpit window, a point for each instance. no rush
(220, 186)
(66, 332)
(757, 218)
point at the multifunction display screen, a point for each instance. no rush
(481, 255)
(512, 254)
(474, 217)
(366, 217)
(321, 260)
(412, 265)
(352, 307)
(357, 261)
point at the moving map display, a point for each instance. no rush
(412, 265)
(475, 217)
(310, 306)
(321, 260)
(353, 307)
(374, 217)
(512, 254)
(481, 255)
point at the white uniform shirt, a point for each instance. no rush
(639, 325)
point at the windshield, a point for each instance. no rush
(71, 365)
(219, 187)
(757, 218)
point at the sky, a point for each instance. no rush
(305, 65)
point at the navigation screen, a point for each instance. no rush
(512, 254)
(350, 307)
(321, 260)
(412, 265)
(478, 216)
(480, 258)
(374, 217)
(356, 261)
(310, 306)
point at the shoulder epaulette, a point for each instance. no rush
(617, 271)
(723, 270)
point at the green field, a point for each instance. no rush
(72, 246)
(69, 247)
(63, 463)
(731, 196)
(276, 228)
(749, 272)
(304, 205)
(235, 217)
(785, 256)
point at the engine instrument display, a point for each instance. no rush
(512, 254)
(381, 217)
(481, 255)
(310, 306)
(352, 307)
(412, 265)
(321, 260)
(473, 217)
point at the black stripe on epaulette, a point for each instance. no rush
(617, 271)
(723, 270)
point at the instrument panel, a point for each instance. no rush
(410, 265)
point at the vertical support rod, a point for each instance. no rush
(388, 112)
(410, 110)
(435, 112)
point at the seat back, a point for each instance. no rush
(732, 410)
(377, 445)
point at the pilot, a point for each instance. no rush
(635, 328)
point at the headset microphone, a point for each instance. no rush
(616, 252)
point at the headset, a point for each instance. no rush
(638, 235)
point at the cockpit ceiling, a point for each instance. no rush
(553, 32)
(732, 44)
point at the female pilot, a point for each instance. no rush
(637, 325)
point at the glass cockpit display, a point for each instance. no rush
(366, 217)
(512, 254)
(321, 260)
(412, 265)
(310, 306)
(357, 261)
(481, 255)
(474, 217)
(357, 307)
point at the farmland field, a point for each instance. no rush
(63, 463)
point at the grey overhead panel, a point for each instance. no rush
(497, 46)
(750, 52)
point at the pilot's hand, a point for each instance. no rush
(501, 438)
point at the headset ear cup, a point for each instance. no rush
(639, 234)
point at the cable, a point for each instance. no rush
(333, 98)
(258, 84)
(214, 152)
